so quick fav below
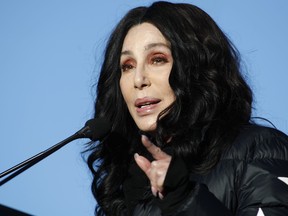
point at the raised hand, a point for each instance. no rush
(155, 170)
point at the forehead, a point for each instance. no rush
(143, 35)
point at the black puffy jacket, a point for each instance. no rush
(251, 179)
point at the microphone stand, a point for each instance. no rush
(21, 167)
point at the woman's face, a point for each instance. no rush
(146, 63)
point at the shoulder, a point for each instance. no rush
(261, 168)
(252, 167)
(258, 142)
(249, 167)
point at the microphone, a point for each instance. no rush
(94, 129)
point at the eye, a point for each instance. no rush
(127, 65)
(159, 59)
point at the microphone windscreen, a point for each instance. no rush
(98, 128)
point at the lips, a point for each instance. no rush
(146, 105)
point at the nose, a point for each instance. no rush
(141, 78)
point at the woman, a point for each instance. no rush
(182, 140)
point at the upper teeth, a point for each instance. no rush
(143, 105)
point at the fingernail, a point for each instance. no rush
(154, 191)
(136, 155)
(161, 196)
(144, 137)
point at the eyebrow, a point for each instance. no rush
(147, 47)
(152, 45)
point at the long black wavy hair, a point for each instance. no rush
(212, 99)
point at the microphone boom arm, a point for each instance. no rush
(94, 129)
(19, 168)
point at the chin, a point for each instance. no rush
(146, 126)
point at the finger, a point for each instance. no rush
(143, 163)
(154, 191)
(155, 151)
(157, 193)
(157, 174)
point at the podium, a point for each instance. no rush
(7, 211)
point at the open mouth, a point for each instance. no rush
(146, 103)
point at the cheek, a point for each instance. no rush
(124, 88)
(170, 97)
(169, 91)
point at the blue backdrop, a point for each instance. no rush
(50, 52)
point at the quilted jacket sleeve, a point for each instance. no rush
(261, 188)
(200, 202)
(185, 197)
